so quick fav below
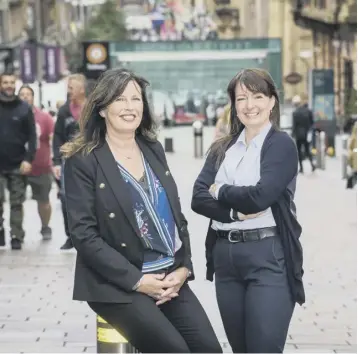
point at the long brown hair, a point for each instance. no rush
(109, 86)
(256, 81)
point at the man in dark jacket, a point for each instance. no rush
(17, 130)
(302, 123)
(65, 128)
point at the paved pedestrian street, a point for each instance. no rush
(37, 314)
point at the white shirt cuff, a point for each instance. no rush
(218, 186)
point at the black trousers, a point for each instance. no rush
(178, 326)
(253, 294)
(303, 143)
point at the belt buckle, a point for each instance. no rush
(230, 239)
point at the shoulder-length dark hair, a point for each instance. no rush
(109, 86)
(256, 81)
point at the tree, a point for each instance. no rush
(107, 25)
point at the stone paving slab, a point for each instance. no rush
(37, 314)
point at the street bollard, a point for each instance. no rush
(2, 237)
(110, 341)
(322, 151)
(318, 150)
(345, 157)
(168, 145)
(198, 139)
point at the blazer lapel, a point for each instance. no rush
(120, 190)
(163, 175)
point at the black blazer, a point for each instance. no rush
(103, 226)
(276, 188)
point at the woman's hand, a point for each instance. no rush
(212, 190)
(176, 280)
(251, 216)
(153, 285)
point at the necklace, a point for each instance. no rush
(131, 153)
(126, 156)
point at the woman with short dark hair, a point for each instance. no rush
(246, 189)
(125, 220)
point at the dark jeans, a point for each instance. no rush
(253, 294)
(178, 326)
(15, 182)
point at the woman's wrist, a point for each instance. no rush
(137, 285)
(186, 272)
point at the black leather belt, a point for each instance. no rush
(235, 236)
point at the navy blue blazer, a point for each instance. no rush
(276, 188)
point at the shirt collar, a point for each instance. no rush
(258, 140)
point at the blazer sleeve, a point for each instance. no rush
(82, 220)
(202, 202)
(278, 168)
(186, 238)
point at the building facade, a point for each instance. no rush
(45, 21)
(333, 24)
(315, 34)
(269, 19)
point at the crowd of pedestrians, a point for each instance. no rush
(30, 141)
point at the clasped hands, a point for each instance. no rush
(163, 287)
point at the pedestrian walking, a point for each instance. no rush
(125, 220)
(40, 178)
(66, 128)
(246, 189)
(352, 158)
(222, 127)
(302, 124)
(17, 151)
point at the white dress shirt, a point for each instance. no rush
(241, 167)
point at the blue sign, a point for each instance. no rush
(322, 97)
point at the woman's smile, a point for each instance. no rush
(128, 117)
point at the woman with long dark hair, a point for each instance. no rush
(246, 189)
(125, 221)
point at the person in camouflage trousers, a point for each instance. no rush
(15, 182)
(17, 151)
(66, 127)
